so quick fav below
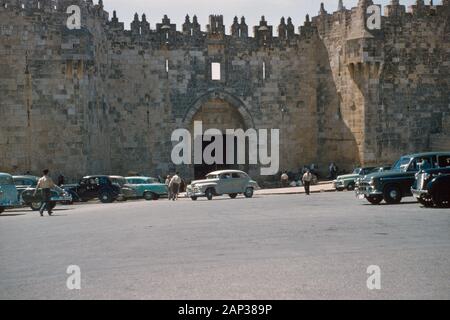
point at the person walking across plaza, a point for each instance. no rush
(46, 184)
(175, 186)
(307, 178)
(168, 179)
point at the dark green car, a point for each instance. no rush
(393, 185)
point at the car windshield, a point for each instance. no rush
(120, 181)
(212, 176)
(5, 180)
(402, 164)
(357, 171)
(151, 181)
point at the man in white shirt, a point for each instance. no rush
(46, 184)
(307, 178)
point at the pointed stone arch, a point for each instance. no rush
(223, 95)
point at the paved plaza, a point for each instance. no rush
(268, 247)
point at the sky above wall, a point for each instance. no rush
(273, 10)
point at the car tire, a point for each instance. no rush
(351, 186)
(150, 196)
(194, 198)
(209, 194)
(106, 197)
(233, 195)
(35, 206)
(392, 194)
(2, 210)
(249, 193)
(375, 200)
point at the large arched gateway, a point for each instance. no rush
(222, 111)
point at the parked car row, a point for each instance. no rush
(19, 191)
(424, 176)
(348, 181)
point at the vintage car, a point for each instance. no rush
(393, 185)
(230, 182)
(24, 182)
(9, 197)
(94, 187)
(348, 181)
(26, 185)
(147, 188)
(35, 201)
(126, 191)
(432, 187)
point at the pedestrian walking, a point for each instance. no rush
(175, 183)
(168, 186)
(46, 184)
(307, 178)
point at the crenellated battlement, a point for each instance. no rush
(339, 88)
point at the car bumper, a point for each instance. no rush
(191, 193)
(367, 191)
(338, 185)
(418, 194)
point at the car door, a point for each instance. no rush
(240, 182)
(85, 189)
(225, 184)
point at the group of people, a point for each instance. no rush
(174, 186)
(307, 174)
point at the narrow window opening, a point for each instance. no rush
(167, 35)
(215, 71)
(264, 71)
(167, 65)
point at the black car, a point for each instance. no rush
(94, 187)
(432, 187)
(393, 185)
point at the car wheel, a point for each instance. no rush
(375, 199)
(233, 195)
(194, 198)
(150, 196)
(2, 210)
(248, 193)
(35, 206)
(351, 186)
(392, 194)
(106, 197)
(209, 194)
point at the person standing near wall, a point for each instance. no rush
(307, 178)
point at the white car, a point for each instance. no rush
(230, 182)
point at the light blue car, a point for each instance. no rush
(9, 197)
(147, 188)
